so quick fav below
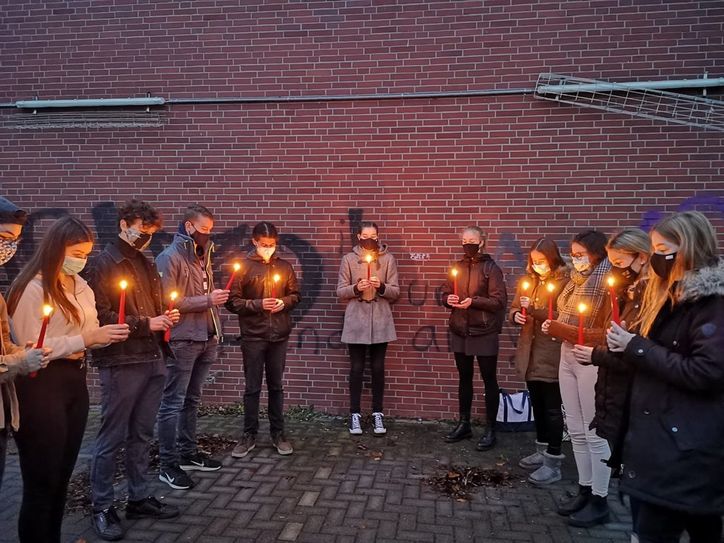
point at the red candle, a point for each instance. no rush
(455, 281)
(237, 267)
(47, 310)
(274, 285)
(122, 304)
(550, 288)
(368, 258)
(581, 310)
(524, 288)
(614, 301)
(173, 296)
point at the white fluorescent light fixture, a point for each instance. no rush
(91, 102)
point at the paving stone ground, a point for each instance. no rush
(339, 489)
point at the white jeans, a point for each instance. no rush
(577, 384)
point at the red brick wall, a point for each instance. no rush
(423, 169)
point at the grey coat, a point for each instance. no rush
(368, 321)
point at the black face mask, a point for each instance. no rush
(202, 241)
(471, 249)
(369, 244)
(662, 264)
(624, 276)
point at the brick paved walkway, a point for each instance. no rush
(338, 489)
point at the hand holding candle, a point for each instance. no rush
(550, 287)
(581, 317)
(47, 310)
(122, 304)
(167, 333)
(236, 268)
(524, 300)
(615, 313)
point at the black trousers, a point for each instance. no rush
(54, 412)
(655, 524)
(488, 368)
(260, 358)
(357, 357)
(545, 399)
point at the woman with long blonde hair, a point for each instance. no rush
(674, 448)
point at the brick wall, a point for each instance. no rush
(421, 168)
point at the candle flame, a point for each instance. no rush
(611, 281)
(47, 310)
(237, 266)
(550, 287)
(276, 277)
(123, 284)
(525, 285)
(455, 272)
(368, 258)
(582, 307)
(174, 295)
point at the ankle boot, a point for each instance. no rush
(487, 441)
(595, 512)
(575, 502)
(461, 431)
(549, 472)
(535, 460)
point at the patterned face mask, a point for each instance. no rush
(7, 250)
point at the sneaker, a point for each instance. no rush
(107, 524)
(199, 462)
(283, 446)
(176, 478)
(379, 425)
(150, 508)
(245, 446)
(355, 424)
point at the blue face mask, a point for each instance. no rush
(72, 265)
(7, 250)
(581, 263)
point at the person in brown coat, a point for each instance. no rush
(368, 284)
(478, 311)
(538, 355)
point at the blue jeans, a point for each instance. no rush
(130, 396)
(185, 375)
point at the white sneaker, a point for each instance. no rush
(355, 424)
(379, 428)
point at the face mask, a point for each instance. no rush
(541, 269)
(136, 239)
(369, 244)
(471, 249)
(73, 266)
(662, 264)
(7, 250)
(581, 263)
(265, 252)
(624, 276)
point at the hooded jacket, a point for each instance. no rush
(12, 363)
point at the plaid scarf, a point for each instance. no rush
(587, 287)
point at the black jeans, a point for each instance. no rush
(3, 451)
(54, 412)
(656, 524)
(357, 356)
(262, 357)
(545, 399)
(488, 367)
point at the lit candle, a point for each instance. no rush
(614, 301)
(550, 288)
(524, 288)
(173, 296)
(581, 310)
(455, 281)
(276, 279)
(368, 258)
(237, 267)
(47, 310)
(122, 304)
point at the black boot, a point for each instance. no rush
(487, 441)
(461, 431)
(575, 502)
(595, 512)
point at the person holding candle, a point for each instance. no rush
(264, 308)
(673, 453)
(476, 320)
(14, 360)
(367, 282)
(132, 373)
(186, 269)
(54, 403)
(537, 356)
(581, 306)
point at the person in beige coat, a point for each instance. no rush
(368, 285)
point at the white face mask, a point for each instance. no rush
(581, 263)
(265, 252)
(73, 266)
(541, 269)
